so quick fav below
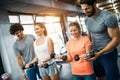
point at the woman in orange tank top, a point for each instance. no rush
(79, 45)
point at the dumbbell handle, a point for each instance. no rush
(77, 57)
(84, 55)
(91, 54)
(47, 64)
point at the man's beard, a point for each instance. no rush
(92, 13)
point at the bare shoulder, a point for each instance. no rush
(50, 40)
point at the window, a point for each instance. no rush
(52, 24)
(54, 30)
(26, 19)
(13, 19)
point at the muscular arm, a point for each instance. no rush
(114, 34)
(115, 40)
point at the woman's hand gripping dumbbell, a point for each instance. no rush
(63, 57)
(52, 56)
(47, 64)
(90, 54)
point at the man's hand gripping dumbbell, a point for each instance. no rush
(31, 65)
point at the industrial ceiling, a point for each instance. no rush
(54, 6)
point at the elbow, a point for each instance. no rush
(117, 41)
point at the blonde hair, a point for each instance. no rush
(42, 25)
(75, 24)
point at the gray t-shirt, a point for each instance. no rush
(98, 28)
(25, 48)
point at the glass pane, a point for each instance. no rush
(50, 28)
(83, 26)
(29, 29)
(55, 32)
(47, 19)
(13, 19)
(40, 19)
(56, 19)
(51, 19)
(57, 27)
(71, 19)
(26, 19)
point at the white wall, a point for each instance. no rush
(6, 48)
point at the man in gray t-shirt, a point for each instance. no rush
(104, 33)
(24, 50)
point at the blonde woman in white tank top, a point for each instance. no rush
(43, 47)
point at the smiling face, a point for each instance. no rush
(89, 10)
(38, 30)
(19, 34)
(75, 31)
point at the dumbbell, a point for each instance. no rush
(63, 57)
(30, 65)
(52, 55)
(91, 54)
(46, 65)
(23, 67)
(33, 65)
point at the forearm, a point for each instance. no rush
(20, 61)
(47, 59)
(34, 60)
(68, 60)
(111, 45)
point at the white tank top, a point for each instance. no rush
(42, 50)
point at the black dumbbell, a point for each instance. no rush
(64, 57)
(76, 57)
(45, 65)
(23, 67)
(91, 54)
(35, 64)
(30, 65)
(52, 55)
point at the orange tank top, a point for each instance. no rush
(81, 67)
